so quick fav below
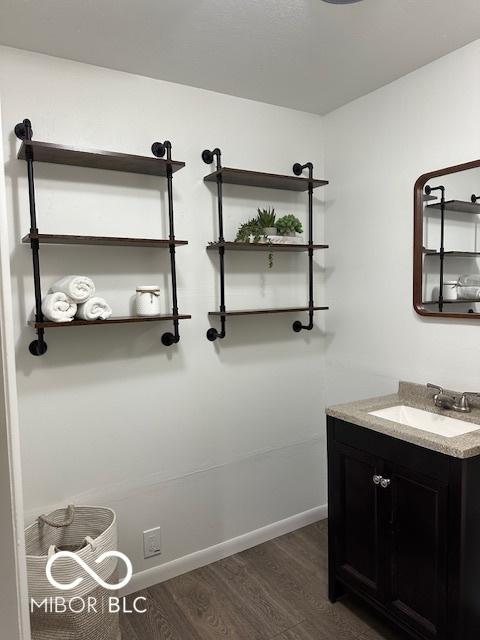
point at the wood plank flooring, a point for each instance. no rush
(275, 590)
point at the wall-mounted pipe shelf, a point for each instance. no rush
(263, 246)
(104, 241)
(118, 320)
(34, 151)
(267, 181)
(254, 312)
(95, 159)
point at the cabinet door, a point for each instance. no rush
(358, 514)
(417, 590)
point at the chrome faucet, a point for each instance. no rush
(447, 401)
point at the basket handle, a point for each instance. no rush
(68, 521)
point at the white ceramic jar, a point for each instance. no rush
(450, 290)
(147, 300)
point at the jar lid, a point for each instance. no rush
(148, 287)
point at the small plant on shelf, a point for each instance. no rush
(289, 225)
(250, 231)
(253, 231)
(266, 219)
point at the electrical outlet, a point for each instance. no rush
(152, 542)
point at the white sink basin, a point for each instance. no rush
(426, 421)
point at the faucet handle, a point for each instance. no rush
(434, 386)
(462, 403)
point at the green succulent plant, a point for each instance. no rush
(266, 217)
(288, 224)
(250, 228)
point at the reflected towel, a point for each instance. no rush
(95, 308)
(77, 288)
(58, 307)
(472, 280)
(468, 293)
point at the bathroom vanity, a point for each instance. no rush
(404, 516)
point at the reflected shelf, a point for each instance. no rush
(453, 254)
(458, 206)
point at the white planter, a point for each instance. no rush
(147, 300)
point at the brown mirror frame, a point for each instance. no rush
(418, 241)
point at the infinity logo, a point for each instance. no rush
(91, 573)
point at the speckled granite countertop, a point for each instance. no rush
(413, 395)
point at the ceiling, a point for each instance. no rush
(304, 54)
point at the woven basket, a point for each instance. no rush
(88, 532)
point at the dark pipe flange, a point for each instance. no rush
(158, 149)
(212, 334)
(207, 156)
(21, 129)
(297, 326)
(168, 339)
(37, 348)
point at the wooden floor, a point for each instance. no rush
(275, 590)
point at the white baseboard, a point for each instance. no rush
(155, 575)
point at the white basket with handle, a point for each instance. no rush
(88, 533)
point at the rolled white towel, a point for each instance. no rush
(95, 308)
(468, 293)
(77, 288)
(472, 280)
(58, 307)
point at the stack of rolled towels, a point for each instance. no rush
(73, 296)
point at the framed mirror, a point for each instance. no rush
(446, 260)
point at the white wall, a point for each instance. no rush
(207, 440)
(376, 147)
(13, 588)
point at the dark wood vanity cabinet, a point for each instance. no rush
(404, 532)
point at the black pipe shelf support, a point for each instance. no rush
(121, 162)
(272, 181)
(428, 192)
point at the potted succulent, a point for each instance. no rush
(288, 225)
(266, 219)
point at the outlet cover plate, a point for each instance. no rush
(152, 542)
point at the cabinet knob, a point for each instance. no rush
(377, 479)
(384, 483)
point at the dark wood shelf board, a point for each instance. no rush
(459, 206)
(453, 254)
(251, 312)
(265, 180)
(96, 159)
(47, 238)
(118, 320)
(263, 246)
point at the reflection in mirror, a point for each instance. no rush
(450, 243)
